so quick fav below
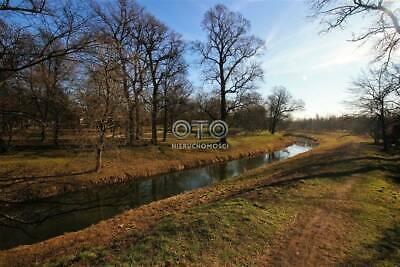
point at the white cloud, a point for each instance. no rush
(308, 51)
(344, 55)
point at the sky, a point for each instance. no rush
(317, 68)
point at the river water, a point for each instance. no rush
(73, 211)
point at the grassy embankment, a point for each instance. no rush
(340, 207)
(39, 173)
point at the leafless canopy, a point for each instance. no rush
(374, 96)
(375, 93)
(164, 50)
(23, 6)
(120, 24)
(384, 28)
(280, 104)
(25, 43)
(227, 56)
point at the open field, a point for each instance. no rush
(338, 204)
(35, 174)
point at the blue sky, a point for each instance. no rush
(316, 68)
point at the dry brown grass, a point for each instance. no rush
(38, 174)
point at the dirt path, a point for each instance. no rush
(316, 236)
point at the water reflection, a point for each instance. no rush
(34, 222)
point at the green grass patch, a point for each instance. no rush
(218, 233)
(376, 229)
(224, 232)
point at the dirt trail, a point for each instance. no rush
(316, 236)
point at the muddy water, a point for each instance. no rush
(34, 222)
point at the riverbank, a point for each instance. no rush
(339, 201)
(34, 175)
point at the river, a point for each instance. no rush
(73, 211)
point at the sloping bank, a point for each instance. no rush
(124, 228)
(140, 163)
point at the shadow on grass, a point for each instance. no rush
(27, 178)
(384, 252)
(353, 166)
(344, 161)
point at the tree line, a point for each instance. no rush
(375, 95)
(110, 66)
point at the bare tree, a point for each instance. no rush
(374, 97)
(46, 85)
(208, 103)
(121, 24)
(13, 98)
(161, 45)
(24, 6)
(251, 118)
(176, 91)
(101, 97)
(384, 28)
(280, 104)
(227, 56)
(174, 76)
(394, 73)
(65, 25)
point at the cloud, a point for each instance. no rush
(345, 55)
(307, 51)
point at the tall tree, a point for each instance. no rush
(161, 46)
(174, 76)
(47, 87)
(101, 96)
(176, 91)
(228, 56)
(374, 96)
(280, 104)
(121, 24)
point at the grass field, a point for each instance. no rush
(336, 205)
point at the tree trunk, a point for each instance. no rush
(137, 118)
(375, 133)
(3, 146)
(10, 137)
(384, 135)
(99, 154)
(223, 111)
(99, 151)
(131, 126)
(113, 133)
(154, 118)
(273, 126)
(165, 123)
(56, 130)
(10, 133)
(129, 130)
(43, 133)
(272, 123)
